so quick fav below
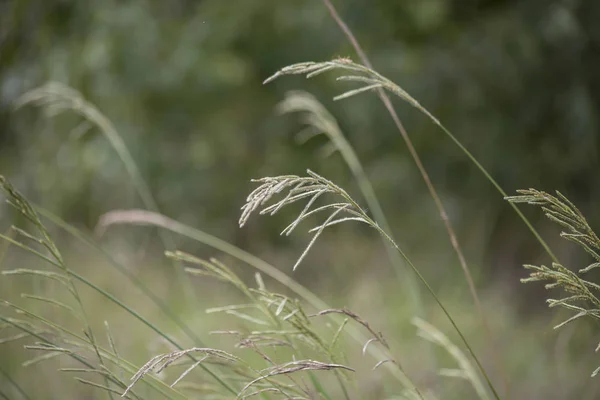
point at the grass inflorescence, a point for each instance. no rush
(580, 295)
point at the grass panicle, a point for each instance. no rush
(147, 218)
(580, 296)
(278, 321)
(374, 82)
(299, 188)
(319, 121)
(312, 187)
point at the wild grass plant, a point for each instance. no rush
(579, 295)
(283, 322)
(284, 345)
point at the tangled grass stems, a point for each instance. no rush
(257, 298)
(315, 185)
(52, 346)
(137, 282)
(147, 218)
(70, 338)
(288, 314)
(57, 98)
(280, 311)
(55, 259)
(375, 82)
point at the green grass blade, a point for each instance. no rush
(62, 98)
(151, 326)
(138, 283)
(15, 384)
(75, 356)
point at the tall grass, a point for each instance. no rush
(285, 347)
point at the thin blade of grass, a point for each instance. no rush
(15, 384)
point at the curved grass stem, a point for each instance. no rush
(444, 310)
(146, 218)
(432, 191)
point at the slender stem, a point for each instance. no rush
(432, 191)
(151, 326)
(137, 282)
(500, 190)
(375, 207)
(155, 383)
(143, 217)
(15, 384)
(92, 113)
(438, 301)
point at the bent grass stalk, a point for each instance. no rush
(27, 210)
(137, 282)
(388, 104)
(321, 121)
(155, 384)
(317, 117)
(313, 186)
(378, 85)
(56, 98)
(425, 175)
(147, 218)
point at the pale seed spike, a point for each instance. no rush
(337, 221)
(293, 224)
(354, 92)
(305, 210)
(315, 237)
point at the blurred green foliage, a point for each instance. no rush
(181, 80)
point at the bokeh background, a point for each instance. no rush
(517, 82)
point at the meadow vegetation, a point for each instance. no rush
(145, 306)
